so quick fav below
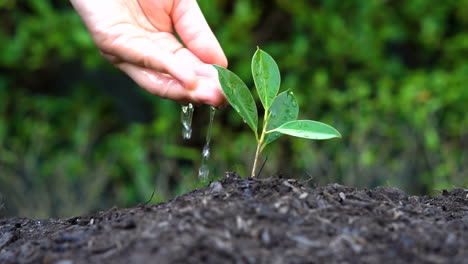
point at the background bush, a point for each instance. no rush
(77, 135)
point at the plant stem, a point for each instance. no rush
(260, 143)
(257, 154)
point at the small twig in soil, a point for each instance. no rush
(152, 195)
(311, 178)
(261, 168)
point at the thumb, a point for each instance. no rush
(196, 34)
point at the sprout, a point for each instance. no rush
(281, 110)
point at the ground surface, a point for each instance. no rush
(270, 221)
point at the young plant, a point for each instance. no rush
(281, 110)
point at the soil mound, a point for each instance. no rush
(238, 220)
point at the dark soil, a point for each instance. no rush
(270, 221)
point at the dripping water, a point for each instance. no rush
(204, 171)
(186, 118)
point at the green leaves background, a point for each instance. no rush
(392, 106)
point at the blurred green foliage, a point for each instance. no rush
(392, 76)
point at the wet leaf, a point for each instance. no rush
(283, 109)
(308, 129)
(238, 96)
(266, 76)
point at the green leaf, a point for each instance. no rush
(307, 129)
(238, 96)
(283, 109)
(266, 76)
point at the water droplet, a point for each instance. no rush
(203, 173)
(186, 118)
(206, 151)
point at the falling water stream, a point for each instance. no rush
(204, 171)
(186, 118)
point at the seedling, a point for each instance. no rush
(281, 110)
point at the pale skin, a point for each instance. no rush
(138, 37)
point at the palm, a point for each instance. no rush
(138, 37)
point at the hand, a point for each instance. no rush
(138, 37)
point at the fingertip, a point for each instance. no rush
(222, 61)
(210, 54)
(208, 92)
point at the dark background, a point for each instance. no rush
(76, 135)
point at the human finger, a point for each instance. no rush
(208, 86)
(196, 34)
(157, 83)
(143, 52)
(165, 86)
